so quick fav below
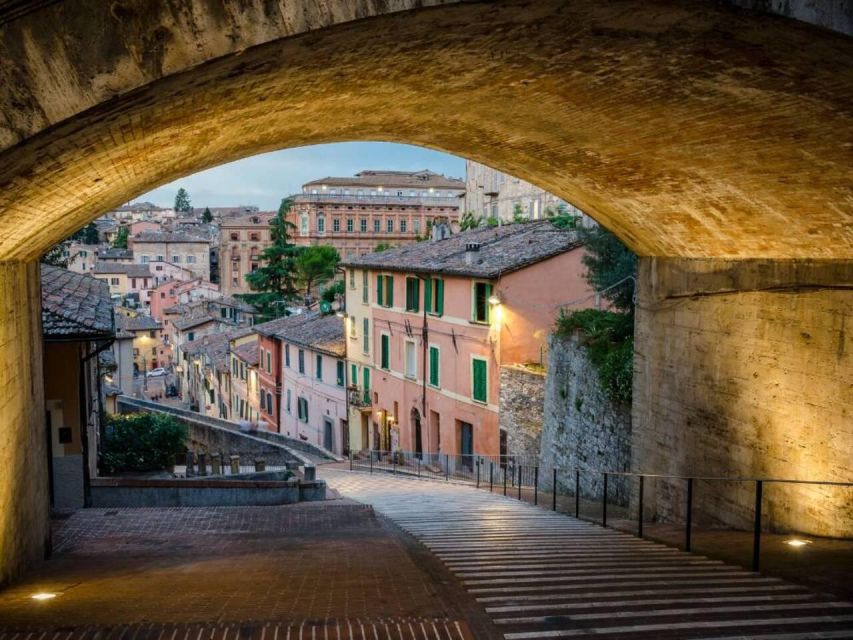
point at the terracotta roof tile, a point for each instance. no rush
(75, 305)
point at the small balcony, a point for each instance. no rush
(358, 397)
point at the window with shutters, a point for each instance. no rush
(366, 335)
(389, 225)
(413, 294)
(385, 351)
(403, 226)
(350, 226)
(481, 309)
(287, 356)
(377, 225)
(385, 291)
(365, 374)
(353, 374)
(341, 372)
(287, 404)
(365, 294)
(363, 225)
(301, 361)
(352, 278)
(302, 408)
(434, 296)
(269, 362)
(479, 382)
(318, 371)
(434, 366)
(411, 360)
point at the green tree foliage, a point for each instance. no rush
(382, 246)
(314, 265)
(57, 255)
(274, 281)
(608, 261)
(207, 216)
(120, 241)
(608, 338)
(90, 234)
(518, 214)
(142, 442)
(182, 201)
(469, 220)
(492, 221)
(330, 294)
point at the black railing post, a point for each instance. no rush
(478, 473)
(419, 467)
(393, 462)
(756, 535)
(536, 485)
(554, 494)
(505, 468)
(640, 514)
(446, 467)
(604, 502)
(371, 460)
(350, 460)
(577, 493)
(491, 475)
(689, 515)
(519, 482)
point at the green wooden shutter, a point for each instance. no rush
(428, 295)
(366, 375)
(488, 288)
(379, 289)
(341, 372)
(389, 291)
(433, 366)
(479, 391)
(353, 374)
(439, 297)
(385, 356)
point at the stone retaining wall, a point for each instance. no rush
(522, 409)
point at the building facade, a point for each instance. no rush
(242, 239)
(442, 318)
(178, 248)
(356, 214)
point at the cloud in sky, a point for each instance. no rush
(263, 180)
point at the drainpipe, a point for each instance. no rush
(425, 355)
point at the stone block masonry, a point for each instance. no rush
(582, 427)
(745, 369)
(522, 407)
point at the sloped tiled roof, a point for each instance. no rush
(140, 323)
(501, 250)
(166, 236)
(392, 179)
(193, 321)
(248, 353)
(130, 270)
(75, 305)
(272, 327)
(319, 333)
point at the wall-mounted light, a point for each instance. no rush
(43, 595)
(494, 300)
(341, 314)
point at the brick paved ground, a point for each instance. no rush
(322, 567)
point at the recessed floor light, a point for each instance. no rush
(796, 542)
(43, 596)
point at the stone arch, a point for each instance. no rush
(690, 130)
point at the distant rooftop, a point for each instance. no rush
(319, 333)
(130, 270)
(248, 353)
(75, 305)
(391, 180)
(500, 250)
(168, 236)
(138, 323)
(255, 218)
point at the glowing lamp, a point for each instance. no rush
(796, 542)
(494, 300)
(43, 595)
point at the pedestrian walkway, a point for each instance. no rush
(540, 574)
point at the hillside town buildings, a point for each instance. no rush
(242, 239)
(175, 247)
(356, 214)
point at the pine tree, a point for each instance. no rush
(274, 281)
(182, 201)
(90, 234)
(315, 265)
(207, 216)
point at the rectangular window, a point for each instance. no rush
(434, 366)
(411, 360)
(262, 401)
(353, 374)
(301, 357)
(176, 259)
(413, 294)
(349, 225)
(364, 293)
(479, 387)
(190, 336)
(190, 259)
(377, 225)
(363, 225)
(318, 371)
(302, 407)
(269, 362)
(341, 372)
(114, 281)
(434, 296)
(366, 335)
(365, 374)
(416, 227)
(482, 293)
(389, 225)
(385, 291)
(288, 401)
(403, 226)
(385, 351)
(353, 323)
(336, 225)
(321, 225)
(352, 279)
(287, 356)
(145, 259)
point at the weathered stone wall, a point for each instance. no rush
(583, 428)
(24, 499)
(522, 409)
(745, 369)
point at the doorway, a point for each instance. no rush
(466, 444)
(327, 433)
(416, 430)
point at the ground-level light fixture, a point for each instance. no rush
(797, 542)
(43, 595)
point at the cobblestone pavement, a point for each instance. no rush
(546, 575)
(314, 570)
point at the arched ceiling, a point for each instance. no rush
(688, 128)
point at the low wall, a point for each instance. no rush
(522, 409)
(139, 492)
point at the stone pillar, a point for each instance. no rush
(215, 464)
(745, 369)
(260, 464)
(190, 464)
(24, 490)
(235, 465)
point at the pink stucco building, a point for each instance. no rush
(430, 324)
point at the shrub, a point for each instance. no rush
(609, 342)
(142, 442)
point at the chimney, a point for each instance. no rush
(472, 250)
